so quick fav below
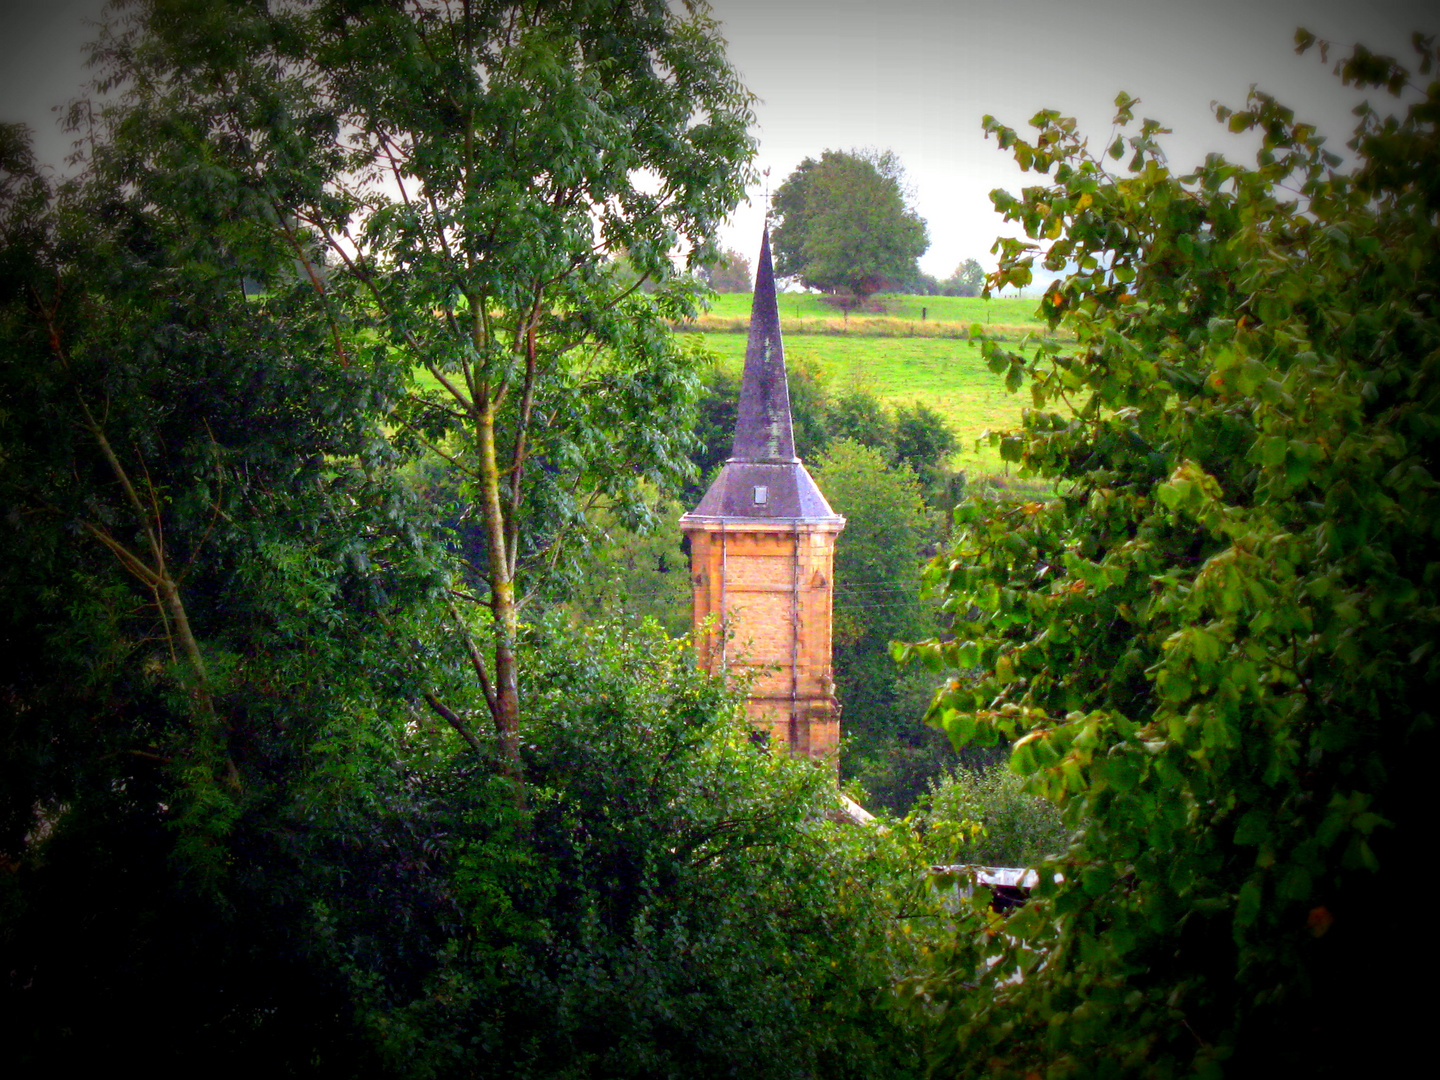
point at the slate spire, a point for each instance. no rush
(763, 428)
(763, 481)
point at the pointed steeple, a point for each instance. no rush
(763, 480)
(763, 428)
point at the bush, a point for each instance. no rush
(674, 902)
(988, 816)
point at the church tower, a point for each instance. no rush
(762, 544)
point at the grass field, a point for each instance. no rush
(952, 309)
(945, 374)
(916, 349)
(902, 316)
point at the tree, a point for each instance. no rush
(468, 168)
(682, 907)
(632, 575)
(218, 615)
(878, 559)
(967, 280)
(989, 818)
(730, 273)
(924, 442)
(1214, 646)
(858, 415)
(842, 223)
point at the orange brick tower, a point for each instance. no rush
(762, 544)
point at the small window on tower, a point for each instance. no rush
(762, 494)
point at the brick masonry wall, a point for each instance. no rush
(771, 589)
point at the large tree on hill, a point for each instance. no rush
(1214, 644)
(842, 223)
(730, 273)
(967, 280)
(466, 168)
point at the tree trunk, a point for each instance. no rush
(505, 709)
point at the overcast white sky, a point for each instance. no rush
(916, 76)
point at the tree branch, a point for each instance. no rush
(450, 717)
(477, 662)
(156, 574)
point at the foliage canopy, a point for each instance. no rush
(967, 280)
(244, 807)
(878, 561)
(731, 273)
(1215, 645)
(842, 223)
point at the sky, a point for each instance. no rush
(917, 76)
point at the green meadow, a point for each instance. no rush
(887, 316)
(942, 370)
(956, 311)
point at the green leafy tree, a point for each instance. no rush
(912, 435)
(682, 906)
(634, 575)
(987, 816)
(256, 842)
(228, 819)
(730, 273)
(924, 441)
(1214, 645)
(858, 415)
(878, 559)
(217, 592)
(967, 280)
(467, 168)
(842, 223)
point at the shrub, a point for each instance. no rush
(673, 903)
(988, 816)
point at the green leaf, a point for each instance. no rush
(1175, 494)
(1247, 908)
(1272, 451)
(960, 728)
(1254, 827)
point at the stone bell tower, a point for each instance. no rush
(762, 543)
